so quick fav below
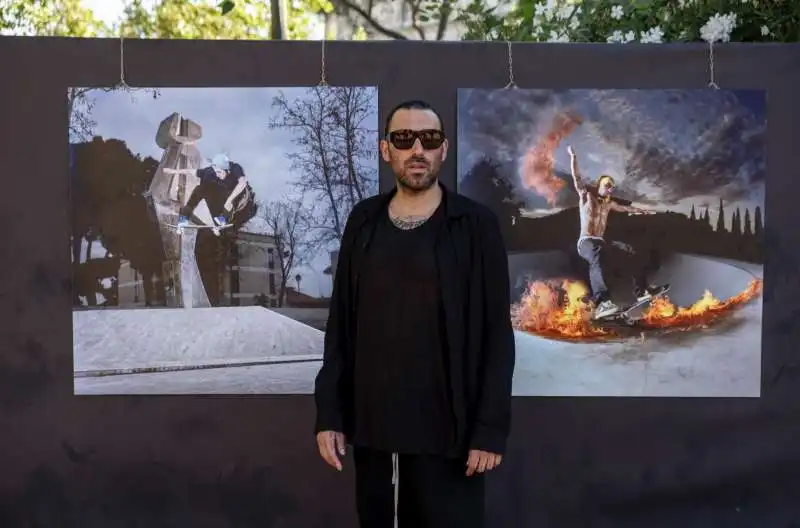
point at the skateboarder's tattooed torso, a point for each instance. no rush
(594, 214)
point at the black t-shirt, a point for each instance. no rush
(401, 385)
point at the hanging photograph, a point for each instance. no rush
(634, 222)
(205, 231)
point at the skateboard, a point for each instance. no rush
(217, 229)
(624, 314)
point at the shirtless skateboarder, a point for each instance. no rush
(596, 250)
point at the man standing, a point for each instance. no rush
(594, 206)
(419, 349)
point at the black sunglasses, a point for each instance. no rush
(404, 139)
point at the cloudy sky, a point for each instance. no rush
(667, 149)
(234, 121)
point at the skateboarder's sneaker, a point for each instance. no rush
(650, 292)
(605, 309)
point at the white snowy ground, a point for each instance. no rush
(722, 361)
(284, 355)
(135, 339)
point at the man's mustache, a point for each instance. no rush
(411, 161)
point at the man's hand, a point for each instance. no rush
(482, 461)
(331, 446)
(570, 150)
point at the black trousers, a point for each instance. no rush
(433, 492)
(605, 257)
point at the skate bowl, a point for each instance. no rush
(721, 361)
(108, 342)
(689, 276)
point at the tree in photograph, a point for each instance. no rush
(354, 141)
(108, 207)
(329, 125)
(287, 220)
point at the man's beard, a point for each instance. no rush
(418, 183)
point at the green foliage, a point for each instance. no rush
(61, 18)
(180, 19)
(187, 19)
(513, 20)
(632, 20)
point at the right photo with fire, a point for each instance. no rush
(634, 223)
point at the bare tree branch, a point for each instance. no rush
(370, 20)
(335, 161)
(287, 221)
(445, 12)
(415, 6)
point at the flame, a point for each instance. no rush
(558, 309)
(663, 314)
(537, 162)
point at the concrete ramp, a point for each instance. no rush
(721, 361)
(690, 276)
(164, 339)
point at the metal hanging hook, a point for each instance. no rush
(511, 83)
(712, 83)
(323, 80)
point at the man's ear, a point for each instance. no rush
(384, 146)
(445, 145)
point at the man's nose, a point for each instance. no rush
(416, 148)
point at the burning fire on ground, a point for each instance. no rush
(558, 309)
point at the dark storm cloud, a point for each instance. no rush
(663, 146)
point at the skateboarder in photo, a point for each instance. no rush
(594, 206)
(220, 185)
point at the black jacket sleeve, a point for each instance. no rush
(198, 193)
(236, 170)
(328, 394)
(493, 419)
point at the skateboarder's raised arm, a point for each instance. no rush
(576, 174)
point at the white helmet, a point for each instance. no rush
(221, 162)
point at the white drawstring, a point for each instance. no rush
(395, 483)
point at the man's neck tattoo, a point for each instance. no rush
(408, 222)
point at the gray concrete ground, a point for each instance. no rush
(285, 378)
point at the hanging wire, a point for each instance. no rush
(323, 75)
(711, 73)
(122, 83)
(511, 83)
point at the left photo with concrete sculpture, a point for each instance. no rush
(205, 226)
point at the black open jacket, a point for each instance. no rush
(473, 272)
